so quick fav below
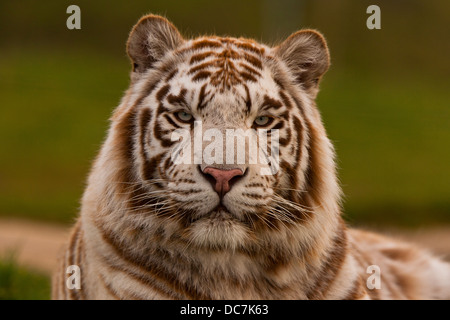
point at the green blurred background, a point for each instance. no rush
(385, 100)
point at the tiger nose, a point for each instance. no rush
(222, 179)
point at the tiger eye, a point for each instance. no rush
(184, 116)
(262, 121)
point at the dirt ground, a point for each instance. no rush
(34, 244)
(37, 244)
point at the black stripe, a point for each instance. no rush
(201, 98)
(285, 99)
(142, 277)
(162, 92)
(146, 118)
(171, 121)
(332, 264)
(201, 75)
(171, 75)
(201, 56)
(179, 99)
(248, 100)
(270, 103)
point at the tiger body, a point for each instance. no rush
(153, 229)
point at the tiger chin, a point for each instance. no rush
(151, 228)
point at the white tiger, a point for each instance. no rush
(153, 229)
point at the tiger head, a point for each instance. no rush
(222, 84)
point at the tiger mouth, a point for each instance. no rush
(222, 212)
(221, 207)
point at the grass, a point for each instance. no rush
(54, 115)
(19, 283)
(391, 135)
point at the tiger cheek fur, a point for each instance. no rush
(151, 228)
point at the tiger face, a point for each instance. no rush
(226, 86)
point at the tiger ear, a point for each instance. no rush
(150, 39)
(306, 55)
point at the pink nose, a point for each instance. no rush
(222, 178)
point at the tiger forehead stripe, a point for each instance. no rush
(228, 53)
(270, 103)
(230, 62)
(171, 75)
(285, 99)
(247, 76)
(201, 56)
(162, 92)
(206, 43)
(202, 66)
(248, 100)
(249, 69)
(253, 60)
(201, 75)
(250, 47)
(201, 98)
(232, 50)
(179, 99)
